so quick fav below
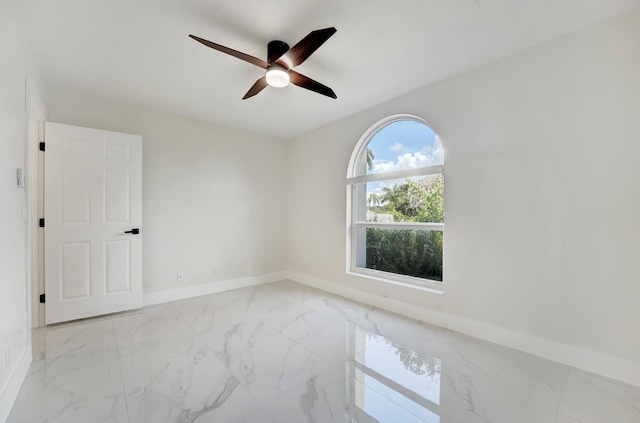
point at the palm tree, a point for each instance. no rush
(392, 195)
(370, 158)
(373, 199)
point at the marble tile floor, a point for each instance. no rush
(284, 352)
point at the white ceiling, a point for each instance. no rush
(138, 50)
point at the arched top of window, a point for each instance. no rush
(397, 143)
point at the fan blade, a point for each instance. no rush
(260, 85)
(308, 83)
(301, 51)
(232, 52)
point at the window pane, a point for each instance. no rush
(405, 144)
(416, 253)
(419, 199)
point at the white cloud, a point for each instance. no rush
(398, 147)
(380, 166)
(379, 187)
(428, 156)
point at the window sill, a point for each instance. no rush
(431, 287)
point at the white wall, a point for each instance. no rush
(15, 66)
(542, 199)
(213, 196)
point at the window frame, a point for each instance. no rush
(353, 180)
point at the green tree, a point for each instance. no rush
(409, 252)
(433, 210)
(394, 197)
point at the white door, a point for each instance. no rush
(93, 204)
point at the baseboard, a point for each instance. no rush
(9, 392)
(606, 365)
(209, 288)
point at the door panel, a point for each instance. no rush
(78, 147)
(117, 194)
(118, 266)
(93, 194)
(75, 270)
(117, 151)
(76, 194)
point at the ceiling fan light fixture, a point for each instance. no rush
(277, 76)
(281, 61)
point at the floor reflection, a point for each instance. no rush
(403, 376)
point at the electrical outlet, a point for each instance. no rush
(383, 291)
(214, 272)
(180, 276)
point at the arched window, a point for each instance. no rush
(395, 189)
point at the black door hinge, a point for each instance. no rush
(42, 146)
(41, 223)
(42, 298)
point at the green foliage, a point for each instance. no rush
(405, 252)
(421, 201)
(409, 252)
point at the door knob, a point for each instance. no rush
(134, 231)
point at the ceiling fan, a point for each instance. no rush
(280, 62)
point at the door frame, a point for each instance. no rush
(34, 163)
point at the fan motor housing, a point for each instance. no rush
(275, 49)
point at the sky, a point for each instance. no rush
(403, 145)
